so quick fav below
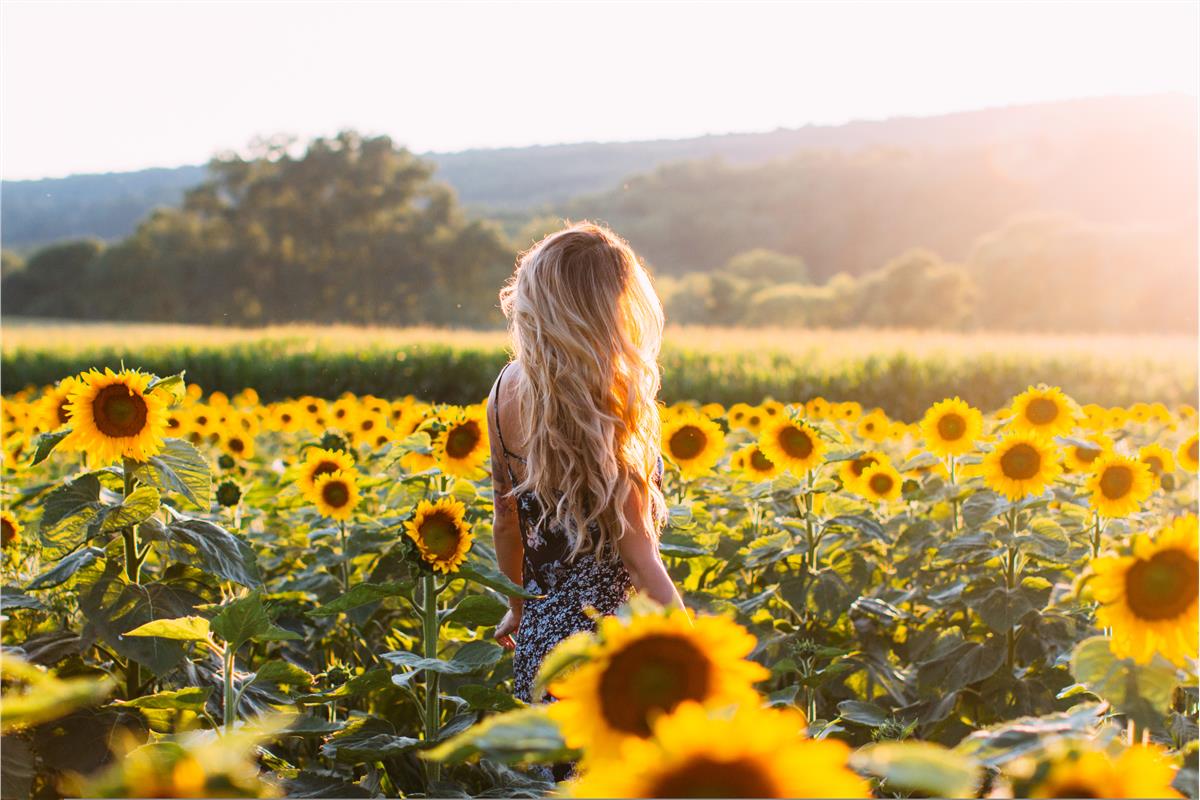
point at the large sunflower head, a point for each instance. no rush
(1149, 597)
(55, 405)
(1080, 453)
(113, 416)
(951, 428)
(792, 444)
(10, 529)
(880, 483)
(336, 493)
(1021, 464)
(1118, 485)
(463, 445)
(320, 461)
(751, 462)
(1081, 770)
(441, 534)
(1189, 453)
(1044, 410)
(693, 443)
(751, 752)
(645, 666)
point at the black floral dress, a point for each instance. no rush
(566, 587)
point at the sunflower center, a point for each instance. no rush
(1087, 454)
(336, 494)
(1193, 450)
(951, 427)
(439, 534)
(754, 421)
(653, 674)
(367, 424)
(1041, 411)
(119, 412)
(1163, 586)
(7, 531)
(1021, 462)
(1155, 463)
(462, 439)
(237, 445)
(1076, 789)
(702, 776)
(324, 468)
(760, 462)
(63, 416)
(881, 483)
(859, 465)
(796, 442)
(687, 442)
(1116, 482)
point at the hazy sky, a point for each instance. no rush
(97, 87)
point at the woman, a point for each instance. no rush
(574, 434)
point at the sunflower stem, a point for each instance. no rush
(1010, 582)
(345, 561)
(230, 700)
(133, 570)
(430, 640)
(1096, 534)
(954, 497)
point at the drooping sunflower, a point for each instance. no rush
(1081, 457)
(750, 461)
(113, 416)
(336, 493)
(1118, 485)
(54, 406)
(793, 445)
(463, 446)
(1159, 459)
(951, 427)
(1021, 464)
(1189, 453)
(875, 426)
(441, 534)
(320, 461)
(852, 470)
(1149, 598)
(648, 665)
(10, 528)
(1043, 410)
(693, 443)
(752, 752)
(1082, 770)
(880, 483)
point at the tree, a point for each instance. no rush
(768, 266)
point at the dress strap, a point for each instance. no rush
(499, 432)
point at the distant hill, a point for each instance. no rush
(1054, 146)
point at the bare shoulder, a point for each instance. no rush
(503, 399)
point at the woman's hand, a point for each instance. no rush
(507, 627)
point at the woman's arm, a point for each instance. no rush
(639, 552)
(506, 533)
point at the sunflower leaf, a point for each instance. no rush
(1140, 691)
(210, 547)
(173, 385)
(493, 579)
(525, 735)
(67, 512)
(183, 629)
(66, 568)
(924, 768)
(179, 468)
(44, 444)
(359, 595)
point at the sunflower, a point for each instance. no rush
(772, 409)
(463, 446)
(1094, 417)
(1021, 464)
(849, 411)
(1148, 598)
(1083, 771)
(713, 411)
(113, 416)
(10, 528)
(285, 417)
(753, 752)
(228, 494)
(737, 415)
(880, 482)
(875, 426)
(692, 442)
(1081, 458)
(792, 444)
(367, 428)
(1045, 411)
(951, 427)
(237, 444)
(320, 461)
(1115, 418)
(817, 408)
(55, 405)
(440, 533)
(1159, 459)
(343, 412)
(1118, 485)
(852, 469)
(751, 461)
(1189, 453)
(336, 493)
(641, 667)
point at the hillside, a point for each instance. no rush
(1056, 147)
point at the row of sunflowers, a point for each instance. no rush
(297, 598)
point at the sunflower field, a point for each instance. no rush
(211, 595)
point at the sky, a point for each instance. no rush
(100, 87)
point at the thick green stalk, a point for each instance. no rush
(954, 502)
(1010, 582)
(230, 698)
(345, 562)
(133, 571)
(430, 639)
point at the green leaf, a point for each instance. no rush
(137, 507)
(44, 444)
(172, 385)
(183, 629)
(278, 671)
(922, 768)
(867, 714)
(369, 682)
(210, 547)
(487, 698)
(67, 512)
(478, 610)
(192, 698)
(998, 607)
(999, 744)
(359, 595)
(242, 620)
(471, 657)
(12, 600)
(179, 468)
(1141, 691)
(66, 568)
(525, 735)
(493, 579)
(983, 506)
(366, 740)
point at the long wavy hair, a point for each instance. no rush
(586, 327)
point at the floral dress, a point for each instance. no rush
(566, 587)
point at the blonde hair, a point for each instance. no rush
(586, 327)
